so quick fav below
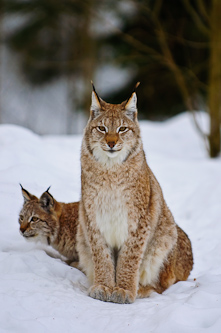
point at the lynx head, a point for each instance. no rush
(39, 218)
(112, 133)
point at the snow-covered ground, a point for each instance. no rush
(42, 294)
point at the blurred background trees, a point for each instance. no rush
(172, 47)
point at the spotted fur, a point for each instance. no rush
(51, 222)
(128, 242)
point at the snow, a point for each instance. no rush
(42, 294)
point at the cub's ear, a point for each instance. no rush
(95, 103)
(131, 104)
(46, 200)
(26, 195)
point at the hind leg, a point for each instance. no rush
(146, 291)
(184, 262)
(166, 278)
(176, 268)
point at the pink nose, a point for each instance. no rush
(111, 144)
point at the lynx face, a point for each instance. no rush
(36, 219)
(113, 130)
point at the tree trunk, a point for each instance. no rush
(215, 79)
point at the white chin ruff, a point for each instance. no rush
(109, 159)
(113, 154)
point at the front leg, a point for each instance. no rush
(104, 270)
(127, 270)
(104, 274)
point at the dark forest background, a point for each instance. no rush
(172, 47)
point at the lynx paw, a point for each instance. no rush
(122, 296)
(100, 292)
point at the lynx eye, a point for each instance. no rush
(34, 219)
(101, 129)
(122, 129)
(21, 217)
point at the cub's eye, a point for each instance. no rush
(21, 218)
(101, 128)
(122, 129)
(34, 218)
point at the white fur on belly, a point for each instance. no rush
(112, 218)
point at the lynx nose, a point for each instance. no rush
(22, 229)
(111, 144)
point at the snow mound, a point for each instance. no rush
(42, 294)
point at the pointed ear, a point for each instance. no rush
(131, 107)
(26, 195)
(46, 200)
(131, 104)
(95, 103)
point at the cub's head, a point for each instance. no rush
(112, 133)
(39, 218)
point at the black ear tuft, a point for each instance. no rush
(95, 103)
(94, 90)
(136, 86)
(26, 195)
(48, 189)
(130, 105)
(47, 200)
(134, 91)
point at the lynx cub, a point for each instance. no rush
(50, 221)
(128, 242)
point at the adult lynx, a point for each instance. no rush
(51, 222)
(128, 242)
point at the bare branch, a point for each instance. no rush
(165, 58)
(196, 18)
(130, 39)
(203, 10)
(140, 46)
(181, 40)
(178, 76)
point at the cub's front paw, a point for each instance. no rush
(122, 296)
(100, 292)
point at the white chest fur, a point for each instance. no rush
(112, 217)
